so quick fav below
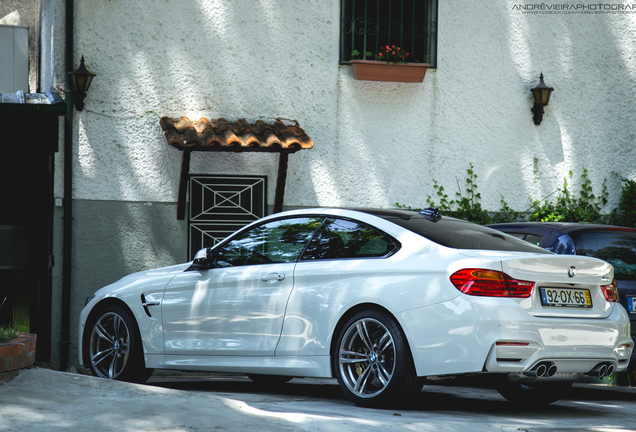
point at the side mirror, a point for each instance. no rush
(201, 259)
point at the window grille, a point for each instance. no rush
(368, 25)
(220, 205)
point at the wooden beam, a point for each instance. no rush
(183, 184)
(280, 182)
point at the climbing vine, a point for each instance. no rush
(567, 207)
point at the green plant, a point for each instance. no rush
(505, 214)
(390, 54)
(405, 207)
(357, 54)
(427, 59)
(566, 208)
(587, 208)
(627, 204)
(8, 332)
(467, 205)
(444, 203)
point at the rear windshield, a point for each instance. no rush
(459, 234)
(616, 247)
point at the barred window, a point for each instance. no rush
(368, 25)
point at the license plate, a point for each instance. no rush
(631, 304)
(565, 297)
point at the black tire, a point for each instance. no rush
(373, 362)
(533, 395)
(269, 380)
(112, 346)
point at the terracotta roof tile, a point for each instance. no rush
(221, 135)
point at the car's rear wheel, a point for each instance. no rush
(533, 394)
(112, 346)
(373, 362)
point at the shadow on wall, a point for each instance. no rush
(589, 114)
(175, 58)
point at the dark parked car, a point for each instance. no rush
(614, 244)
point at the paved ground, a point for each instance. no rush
(45, 400)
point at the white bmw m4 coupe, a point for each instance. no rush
(379, 299)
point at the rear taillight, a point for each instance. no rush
(611, 291)
(490, 283)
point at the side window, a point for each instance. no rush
(530, 238)
(534, 239)
(518, 235)
(340, 238)
(280, 241)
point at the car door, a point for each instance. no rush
(237, 306)
(344, 260)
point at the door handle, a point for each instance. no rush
(273, 277)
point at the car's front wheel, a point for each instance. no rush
(373, 362)
(112, 346)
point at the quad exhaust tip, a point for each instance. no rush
(602, 370)
(548, 369)
(543, 369)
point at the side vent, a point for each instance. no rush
(145, 303)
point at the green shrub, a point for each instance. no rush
(566, 208)
(587, 208)
(8, 332)
(627, 204)
(467, 205)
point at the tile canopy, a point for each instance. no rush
(221, 135)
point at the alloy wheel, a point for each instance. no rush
(367, 357)
(109, 347)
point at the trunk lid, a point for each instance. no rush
(561, 280)
(552, 273)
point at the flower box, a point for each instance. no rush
(18, 353)
(370, 70)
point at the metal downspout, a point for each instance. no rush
(68, 195)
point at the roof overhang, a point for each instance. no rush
(222, 136)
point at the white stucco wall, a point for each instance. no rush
(374, 143)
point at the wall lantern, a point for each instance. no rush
(80, 81)
(541, 95)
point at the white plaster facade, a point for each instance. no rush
(375, 143)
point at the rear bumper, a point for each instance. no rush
(473, 335)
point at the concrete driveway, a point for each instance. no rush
(45, 400)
